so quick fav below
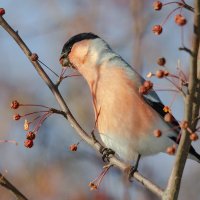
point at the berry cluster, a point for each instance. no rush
(178, 81)
(37, 121)
(179, 19)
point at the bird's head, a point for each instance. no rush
(77, 49)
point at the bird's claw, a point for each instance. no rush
(133, 169)
(106, 154)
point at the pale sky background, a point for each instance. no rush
(49, 170)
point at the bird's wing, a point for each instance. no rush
(154, 101)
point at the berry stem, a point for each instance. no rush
(42, 111)
(9, 141)
(34, 105)
(41, 121)
(165, 20)
(48, 68)
(166, 90)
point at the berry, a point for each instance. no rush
(14, 104)
(148, 85)
(143, 90)
(168, 117)
(166, 73)
(149, 75)
(161, 61)
(28, 143)
(157, 133)
(34, 57)
(180, 20)
(93, 186)
(160, 73)
(73, 147)
(157, 29)
(157, 5)
(194, 137)
(26, 125)
(184, 125)
(166, 109)
(16, 117)
(30, 135)
(171, 150)
(2, 12)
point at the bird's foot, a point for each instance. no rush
(106, 154)
(133, 169)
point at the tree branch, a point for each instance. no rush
(5, 183)
(88, 139)
(191, 113)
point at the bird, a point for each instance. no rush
(126, 119)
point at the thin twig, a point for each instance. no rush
(186, 50)
(68, 115)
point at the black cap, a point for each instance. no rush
(77, 38)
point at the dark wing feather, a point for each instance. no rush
(158, 107)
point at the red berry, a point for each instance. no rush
(160, 73)
(16, 117)
(30, 135)
(148, 85)
(171, 150)
(34, 57)
(2, 11)
(194, 137)
(168, 117)
(73, 147)
(14, 104)
(166, 73)
(157, 5)
(28, 143)
(184, 124)
(157, 133)
(157, 29)
(180, 20)
(161, 61)
(143, 90)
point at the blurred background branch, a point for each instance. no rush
(8, 185)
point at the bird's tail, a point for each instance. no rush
(194, 155)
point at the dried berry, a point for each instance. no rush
(26, 125)
(2, 11)
(34, 57)
(149, 75)
(180, 20)
(168, 117)
(93, 186)
(157, 133)
(16, 117)
(171, 150)
(157, 5)
(73, 147)
(184, 124)
(160, 73)
(166, 73)
(161, 61)
(157, 29)
(194, 137)
(14, 104)
(148, 85)
(30, 135)
(166, 109)
(28, 143)
(143, 90)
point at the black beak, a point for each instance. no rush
(64, 61)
